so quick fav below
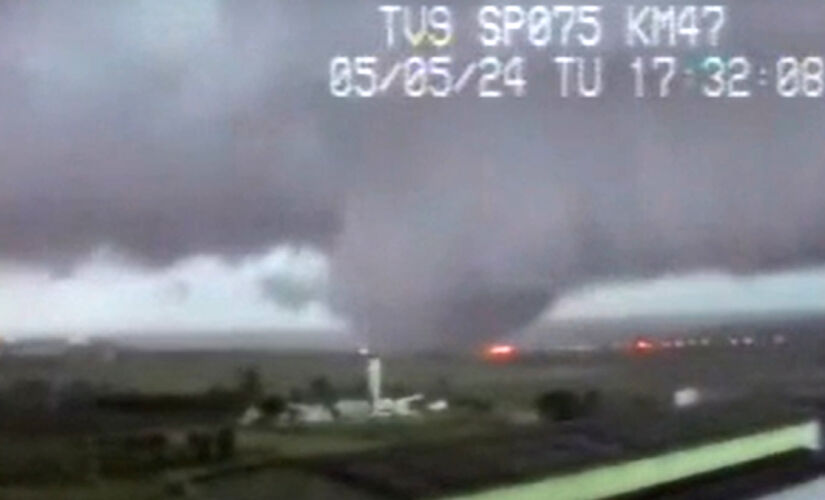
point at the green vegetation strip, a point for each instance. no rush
(635, 475)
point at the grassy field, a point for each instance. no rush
(188, 372)
(106, 490)
(633, 389)
(348, 437)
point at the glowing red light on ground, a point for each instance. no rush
(642, 345)
(500, 352)
(502, 349)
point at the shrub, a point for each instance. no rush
(250, 384)
(559, 405)
(200, 445)
(591, 401)
(273, 405)
(170, 403)
(225, 443)
(322, 390)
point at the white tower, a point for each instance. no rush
(374, 380)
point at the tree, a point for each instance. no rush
(200, 445)
(296, 395)
(225, 443)
(251, 386)
(323, 391)
(273, 405)
(558, 405)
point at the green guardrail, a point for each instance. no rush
(626, 477)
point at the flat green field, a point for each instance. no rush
(517, 382)
(632, 389)
(107, 490)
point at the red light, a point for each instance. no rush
(501, 349)
(500, 352)
(643, 345)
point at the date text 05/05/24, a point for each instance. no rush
(787, 76)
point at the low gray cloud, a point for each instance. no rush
(289, 292)
(177, 291)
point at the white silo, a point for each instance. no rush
(374, 380)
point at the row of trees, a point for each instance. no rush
(562, 405)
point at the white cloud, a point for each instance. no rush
(798, 291)
(106, 294)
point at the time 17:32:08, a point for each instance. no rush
(733, 77)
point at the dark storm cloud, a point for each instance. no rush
(454, 218)
(164, 128)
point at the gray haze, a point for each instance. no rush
(167, 131)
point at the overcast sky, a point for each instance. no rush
(181, 164)
(286, 289)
